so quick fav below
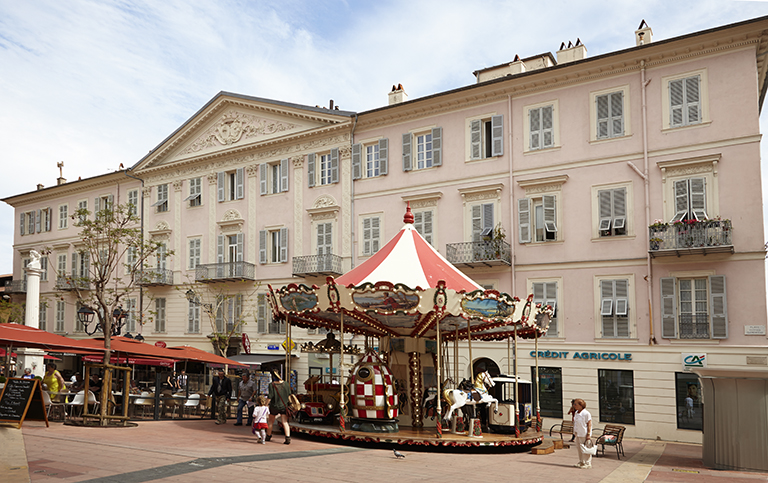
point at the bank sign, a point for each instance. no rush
(595, 356)
(694, 361)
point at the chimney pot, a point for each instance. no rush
(40, 186)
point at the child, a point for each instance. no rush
(260, 413)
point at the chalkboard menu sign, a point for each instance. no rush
(22, 399)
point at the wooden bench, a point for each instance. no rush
(566, 427)
(612, 435)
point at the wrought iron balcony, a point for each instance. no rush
(694, 326)
(225, 272)
(154, 276)
(480, 253)
(328, 264)
(696, 238)
(72, 283)
(15, 286)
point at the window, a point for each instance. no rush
(63, 216)
(422, 150)
(612, 206)
(162, 198)
(130, 321)
(130, 260)
(545, 293)
(82, 206)
(266, 325)
(102, 205)
(194, 252)
(229, 185)
(273, 245)
(45, 217)
(614, 308)
(79, 327)
(80, 265)
(44, 269)
(690, 199)
(160, 315)
(61, 265)
(550, 391)
(27, 223)
(541, 131)
(195, 197)
(43, 316)
(610, 115)
(273, 177)
(690, 407)
(616, 390)
(694, 307)
(371, 235)
(370, 160)
(324, 246)
(482, 221)
(228, 313)
(422, 221)
(486, 137)
(685, 101)
(61, 308)
(537, 216)
(193, 320)
(323, 169)
(133, 202)
(161, 257)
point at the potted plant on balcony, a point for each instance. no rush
(656, 231)
(498, 237)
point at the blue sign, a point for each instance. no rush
(273, 347)
(597, 356)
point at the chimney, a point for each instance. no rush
(571, 52)
(330, 104)
(643, 34)
(397, 95)
(40, 186)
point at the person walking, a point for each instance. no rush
(571, 413)
(221, 390)
(53, 381)
(260, 417)
(582, 427)
(279, 392)
(181, 381)
(245, 390)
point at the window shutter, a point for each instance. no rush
(547, 134)
(311, 169)
(335, 165)
(619, 208)
(366, 236)
(676, 103)
(284, 170)
(283, 244)
(220, 302)
(437, 146)
(321, 238)
(262, 246)
(602, 116)
(375, 234)
(606, 299)
(719, 306)
(220, 249)
(407, 162)
(497, 136)
(681, 199)
(97, 206)
(22, 226)
(239, 183)
(240, 247)
(692, 100)
(604, 202)
(524, 220)
(357, 168)
(48, 218)
(262, 311)
(191, 318)
(477, 222)
(427, 226)
(534, 120)
(191, 259)
(698, 192)
(74, 264)
(668, 308)
(617, 114)
(550, 216)
(220, 183)
(622, 297)
(262, 179)
(488, 216)
(475, 139)
(86, 265)
(383, 155)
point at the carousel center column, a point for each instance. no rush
(414, 374)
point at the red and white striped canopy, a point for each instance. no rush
(409, 259)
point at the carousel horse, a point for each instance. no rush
(471, 394)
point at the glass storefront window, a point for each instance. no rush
(550, 391)
(690, 408)
(617, 396)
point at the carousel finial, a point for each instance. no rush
(408, 218)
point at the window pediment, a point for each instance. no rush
(543, 185)
(689, 166)
(325, 207)
(232, 222)
(162, 231)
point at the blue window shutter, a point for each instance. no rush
(283, 175)
(262, 246)
(475, 139)
(524, 220)
(23, 218)
(240, 183)
(497, 136)
(383, 155)
(220, 185)
(311, 169)
(283, 244)
(437, 146)
(668, 307)
(335, 165)
(357, 168)
(407, 162)
(262, 179)
(239, 247)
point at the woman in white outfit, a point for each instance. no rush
(582, 427)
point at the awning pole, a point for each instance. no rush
(342, 424)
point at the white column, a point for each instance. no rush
(32, 358)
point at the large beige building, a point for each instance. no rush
(624, 190)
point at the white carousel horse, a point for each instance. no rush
(459, 398)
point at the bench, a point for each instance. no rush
(566, 427)
(612, 435)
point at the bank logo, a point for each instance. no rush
(694, 361)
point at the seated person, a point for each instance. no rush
(78, 384)
(94, 385)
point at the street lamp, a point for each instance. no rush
(195, 300)
(118, 315)
(85, 316)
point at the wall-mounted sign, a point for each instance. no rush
(160, 344)
(596, 356)
(246, 343)
(273, 347)
(694, 361)
(754, 330)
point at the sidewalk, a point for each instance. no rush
(199, 451)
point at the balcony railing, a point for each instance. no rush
(154, 276)
(70, 283)
(694, 326)
(488, 253)
(15, 286)
(328, 264)
(699, 238)
(223, 272)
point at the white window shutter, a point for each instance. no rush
(475, 139)
(534, 120)
(220, 183)
(605, 202)
(283, 244)
(698, 190)
(602, 116)
(692, 100)
(220, 249)
(321, 238)
(22, 225)
(550, 293)
(311, 170)
(437, 146)
(191, 259)
(284, 171)
(240, 239)
(622, 297)
(617, 114)
(488, 216)
(375, 234)
(74, 264)
(240, 183)
(383, 156)
(357, 167)
(668, 308)
(263, 186)
(366, 236)
(524, 220)
(262, 246)
(262, 313)
(335, 165)
(97, 205)
(497, 136)
(676, 103)
(427, 226)
(619, 207)
(681, 199)
(606, 298)
(477, 222)
(550, 214)
(547, 123)
(407, 161)
(719, 307)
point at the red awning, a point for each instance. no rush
(2, 353)
(17, 335)
(142, 361)
(193, 354)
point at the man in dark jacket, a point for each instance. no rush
(221, 389)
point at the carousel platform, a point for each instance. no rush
(414, 437)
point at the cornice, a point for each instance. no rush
(67, 189)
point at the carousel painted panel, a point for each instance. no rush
(386, 298)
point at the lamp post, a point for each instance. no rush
(86, 315)
(193, 298)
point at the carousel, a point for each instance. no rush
(410, 305)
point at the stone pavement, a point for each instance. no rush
(192, 451)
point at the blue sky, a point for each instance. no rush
(99, 83)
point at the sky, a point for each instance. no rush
(99, 83)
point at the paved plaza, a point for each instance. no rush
(200, 451)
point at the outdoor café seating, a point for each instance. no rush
(146, 400)
(50, 405)
(80, 400)
(191, 404)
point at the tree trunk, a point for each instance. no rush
(106, 381)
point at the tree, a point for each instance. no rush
(108, 241)
(11, 311)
